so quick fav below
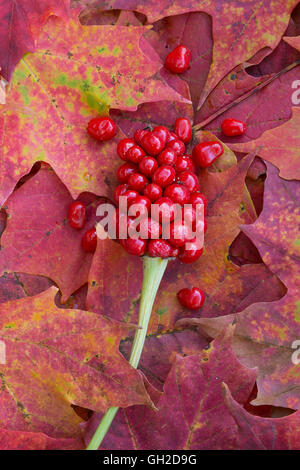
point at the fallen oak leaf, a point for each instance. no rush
(55, 358)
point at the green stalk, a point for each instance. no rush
(153, 271)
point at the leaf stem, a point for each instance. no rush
(153, 271)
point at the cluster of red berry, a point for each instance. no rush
(157, 172)
(77, 220)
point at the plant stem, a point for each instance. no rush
(153, 271)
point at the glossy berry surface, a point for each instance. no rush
(162, 133)
(89, 241)
(77, 215)
(233, 127)
(134, 246)
(191, 298)
(162, 249)
(123, 146)
(135, 154)
(178, 193)
(167, 157)
(153, 192)
(148, 165)
(198, 198)
(184, 163)
(189, 180)
(164, 175)
(149, 229)
(205, 153)
(119, 191)
(177, 146)
(152, 144)
(125, 171)
(180, 233)
(183, 129)
(164, 210)
(131, 196)
(178, 60)
(191, 253)
(137, 181)
(102, 128)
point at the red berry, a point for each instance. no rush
(172, 136)
(142, 205)
(153, 192)
(134, 246)
(192, 254)
(164, 175)
(183, 129)
(191, 298)
(189, 180)
(233, 127)
(178, 193)
(152, 144)
(198, 198)
(178, 147)
(125, 171)
(119, 191)
(163, 210)
(123, 220)
(184, 163)
(135, 154)
(139, 133)
(137, 181)
(76, 215)
(131, 196)
(178, 60)
(89, 241)
(167, 157)
(123, 146)
(180, 233)
(161, 249)
(148, 165)
(162, 132)
(206, 153)
(102, 128)
(149, 229)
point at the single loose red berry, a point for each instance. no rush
(76, 215)
(167, 157)
(89, 241)
(123, 146)
(152, 144)
(149, 229)
(233, 127)
(180, 233)
(119, 191)
(137, 181)
(178, 60)
(164, 175)
(184, 163)
(102, 128)
(163, 210)
(162, 132)
(125, 171)
(177, 146)
(190, 252)
(161, 249)
(189, 180)
(183, 129)
(135, 154)
(178, 193)
(134, 246)
(139, 133)
(198, 198)
(205, 153)
(191, 298)
(153, 192)
(148, 165)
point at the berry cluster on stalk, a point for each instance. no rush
(157, 171)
